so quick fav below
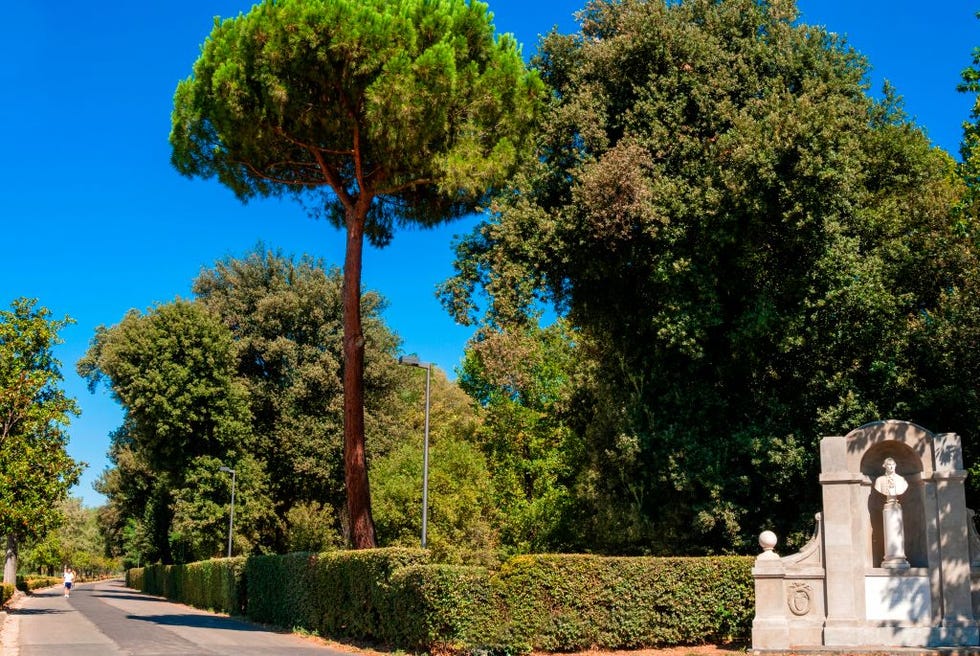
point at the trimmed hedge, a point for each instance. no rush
(442, 608)
(342, 594)
(573, 602)
(540, 602)
(135, 578)
(28, 583)
(212, 584)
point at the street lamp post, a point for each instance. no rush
(231, 516)
(413, 361)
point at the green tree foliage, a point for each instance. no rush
(172, 372)
(254, 361)
(312, 527)
(77, 542)
(954, 327)
(127, 519)
(751, 247)
(285, 317)
(35, 469)
(970, 146)
(404, 111)
(201, 508)
(462, 516)
(525, 379)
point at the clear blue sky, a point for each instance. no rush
(95, 221)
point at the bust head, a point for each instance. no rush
(891, 484)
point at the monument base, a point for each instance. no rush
(875, 637)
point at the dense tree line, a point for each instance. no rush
(36, 471)
(737, 247)
(750, 252)
(248, 375)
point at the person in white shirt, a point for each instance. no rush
(69, 581)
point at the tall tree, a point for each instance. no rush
(172, 371)
(285, 318)
(405, 111)
(35, 468)
(753, 247)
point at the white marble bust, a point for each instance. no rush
(890, 484)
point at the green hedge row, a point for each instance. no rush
(576, 602)
(213, 584)
(6, 592)
(342, 594)
(28, 583)
(538, 602)
(446, 608)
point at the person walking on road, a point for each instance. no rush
(69, 580)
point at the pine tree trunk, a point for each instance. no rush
(355, 460)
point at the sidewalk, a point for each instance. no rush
(9, 625)
(107, 619)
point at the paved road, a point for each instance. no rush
(108, 619)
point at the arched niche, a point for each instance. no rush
(887, 437)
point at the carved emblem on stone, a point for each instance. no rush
(798, 598)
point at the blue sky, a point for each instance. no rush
(95, 221)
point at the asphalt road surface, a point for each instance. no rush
(108, 619)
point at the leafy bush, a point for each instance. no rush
(310, 527)
(28, 583)
(7, 591)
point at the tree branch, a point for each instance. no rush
(258, 173)
(310, 147)
(332, 177)
(402, 187)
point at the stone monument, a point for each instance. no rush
(895, 558)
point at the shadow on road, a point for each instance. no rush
(198, 621)
(121, 595)
(36, 611)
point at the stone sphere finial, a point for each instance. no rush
(767, 540)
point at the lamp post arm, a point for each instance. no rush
(231, 517)
(425, 461)
(413, 361)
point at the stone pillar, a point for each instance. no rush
(958, 620)
(894, 529)
(842, 542)
(770, 627)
